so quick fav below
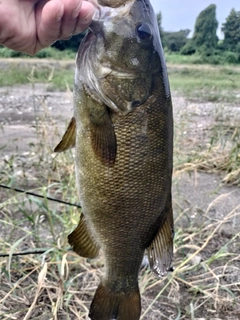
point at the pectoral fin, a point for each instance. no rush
(82, 240)
(103, 139)
(160, 251)
(68, 139)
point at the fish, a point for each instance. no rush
(122, 131)
(111, 3)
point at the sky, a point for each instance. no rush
(182, 14)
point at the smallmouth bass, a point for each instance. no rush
(123, 133)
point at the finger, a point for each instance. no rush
(84, 17)
(49, 16)
(68, 23)
(75, 10)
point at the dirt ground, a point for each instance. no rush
(200, 195)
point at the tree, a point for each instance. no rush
(174, 41)
(159, 22)
(205, 33)
(231, 30)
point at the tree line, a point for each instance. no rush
(204, 41)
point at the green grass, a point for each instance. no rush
(222, 58)
(206, 83)
(57, 78)
(182, 59)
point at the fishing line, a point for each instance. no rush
(37, 196)
(40, 196)
(24, 253)
(27, 252)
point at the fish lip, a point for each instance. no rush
(119, 73)
(96, 25)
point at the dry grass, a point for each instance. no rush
(60, 285)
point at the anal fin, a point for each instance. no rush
(160, 251)
(82, 241)
(69, 137)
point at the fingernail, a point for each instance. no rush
(60, 14)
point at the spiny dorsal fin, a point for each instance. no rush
(69, 137)
(160, 251)
(82, 241)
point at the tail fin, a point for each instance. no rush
(108, 305)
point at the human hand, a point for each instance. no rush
(31, 25)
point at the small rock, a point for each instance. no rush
(195, 260)
(226, 230)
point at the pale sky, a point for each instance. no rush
(182, 14)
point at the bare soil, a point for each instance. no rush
(200, 198)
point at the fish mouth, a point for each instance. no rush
(118, 73)
(123, 74)
(103, 13)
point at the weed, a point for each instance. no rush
(56, 77)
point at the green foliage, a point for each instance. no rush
(159, 22)
(177, 58)
(206, 28)
(70, 44)
(231, 30)
(174, 41)
(50, 53)
(230, 57)
(219, 58)
(204, 38)
(189, 48)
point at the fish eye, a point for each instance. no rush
(144, 32)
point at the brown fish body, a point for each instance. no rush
(124, 134)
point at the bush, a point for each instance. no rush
(8, 53)
(214, 59)
(189, 48)
(44, 53)
(55, 54)
(230, 57)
